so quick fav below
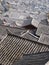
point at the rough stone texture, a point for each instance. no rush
(44, 39)
(42, 29)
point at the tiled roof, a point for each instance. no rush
(30, 37)
(13, 47)
(34, 59)
(13, 30)
(16, 31)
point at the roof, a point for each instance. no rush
(16, 31)
(13, 30)
(13, 47)
(34, 59)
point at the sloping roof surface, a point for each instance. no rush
(34, 59)
(16, 31)
(13, 47)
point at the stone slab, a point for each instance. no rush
(42, 29)
(44, 38)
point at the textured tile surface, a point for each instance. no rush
(16, 31)
(13, 47)
(34, 59)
